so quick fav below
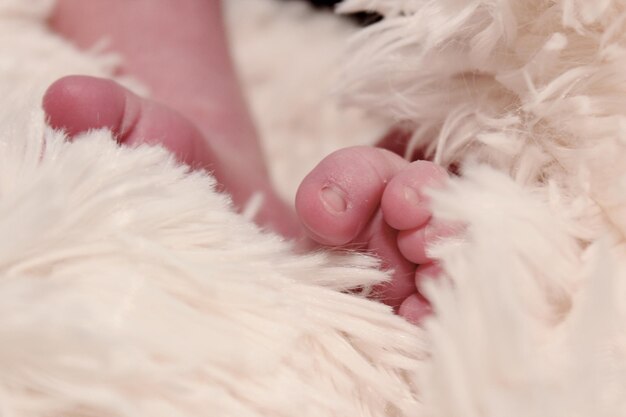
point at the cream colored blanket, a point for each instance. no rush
(128, 286)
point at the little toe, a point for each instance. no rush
(78, 104)
(405, 203)
(340, 196)
(414, 243)
(426, 272)
(415, 308)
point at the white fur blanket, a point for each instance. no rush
(128, 287)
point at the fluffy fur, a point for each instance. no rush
(128, 287)
(529, 97)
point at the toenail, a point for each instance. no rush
(334, 199)
(411, 196)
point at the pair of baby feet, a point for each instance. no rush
(364, 198)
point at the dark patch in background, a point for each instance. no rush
(363, 18)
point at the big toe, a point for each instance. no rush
(78, 104)
(340, 196)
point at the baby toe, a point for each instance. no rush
(425, 273)
(337, 200)
(415, 308)
(414, 243)
(405, 203)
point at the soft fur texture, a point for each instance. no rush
(530, 98)
(129, 287)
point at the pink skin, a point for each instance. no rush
(79, 103)
(178, 48)
(373, 199)
(363, 198)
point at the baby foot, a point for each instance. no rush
(178, 48)
(370, 198)
(77, 104)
